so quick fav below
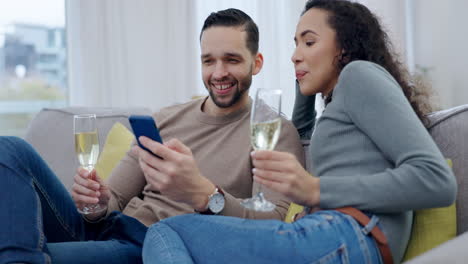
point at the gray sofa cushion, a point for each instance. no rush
(449, 128)
(51, 134)
(453, 252)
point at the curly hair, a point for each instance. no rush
(360, 35)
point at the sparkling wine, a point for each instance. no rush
(87, 148)
(265, 135)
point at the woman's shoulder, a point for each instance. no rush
(363, 70)
(359, 76)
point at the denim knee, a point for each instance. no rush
(13, 150)
(164, 245)
(152, 229)
(12, 144)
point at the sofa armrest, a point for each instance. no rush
(449, 129)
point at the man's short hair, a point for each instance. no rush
(232, 17)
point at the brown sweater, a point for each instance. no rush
(221, 147)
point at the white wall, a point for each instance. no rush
(441, 37)
(146, 52)
(392, 18)
(131, 53)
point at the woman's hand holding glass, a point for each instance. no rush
(87, 150)
(281, 172)
(265, 128)
(89, 189)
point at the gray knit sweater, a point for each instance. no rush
(371, 152)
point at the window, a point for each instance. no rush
(33, 72)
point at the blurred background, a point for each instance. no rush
(120, 53)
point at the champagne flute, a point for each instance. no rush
(265, 127)
(87, 150)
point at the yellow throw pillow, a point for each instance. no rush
(117, 144)
(292, 211)
(431, 227)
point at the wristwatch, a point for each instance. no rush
(216, 202)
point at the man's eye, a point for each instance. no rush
(206, 61)
(233, 61)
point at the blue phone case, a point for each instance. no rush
(144, 126)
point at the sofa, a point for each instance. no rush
(449, 129)
(51, 134)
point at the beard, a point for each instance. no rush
(238, 93)
(242, 87)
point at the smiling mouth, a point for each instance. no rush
(224, 86)
(222, 89)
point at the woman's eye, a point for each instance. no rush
(309, 43)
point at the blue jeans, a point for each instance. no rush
(322, 237)
(39, 222)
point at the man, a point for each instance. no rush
(205, 165)
(216, 130)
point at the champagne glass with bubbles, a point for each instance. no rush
(87, 150)
(265, 127)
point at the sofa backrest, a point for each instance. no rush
(449, 129)
(51, 134)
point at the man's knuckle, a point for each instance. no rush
(145, 169)
(180, 160)
(162, 186)
(172, 171)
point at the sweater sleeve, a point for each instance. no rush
(420, 177)
(304, 114)
(126, 182)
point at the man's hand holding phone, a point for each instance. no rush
(169, 167)
(144, 126)
(175, 174)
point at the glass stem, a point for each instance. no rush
(261, 196)
(259, 191)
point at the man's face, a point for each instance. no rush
(227, 64)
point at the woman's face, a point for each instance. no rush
(316, 55)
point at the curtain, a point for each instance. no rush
(146, 52)
(131, 53)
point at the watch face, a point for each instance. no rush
(216, 203)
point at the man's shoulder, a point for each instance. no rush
(285, 120)
(288, 128)
(177, 109)
(180, 106)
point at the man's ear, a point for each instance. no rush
(258, 63)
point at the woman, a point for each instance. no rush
(369, 151)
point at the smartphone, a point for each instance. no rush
(144, 126)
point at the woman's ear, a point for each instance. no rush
(344, 58)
